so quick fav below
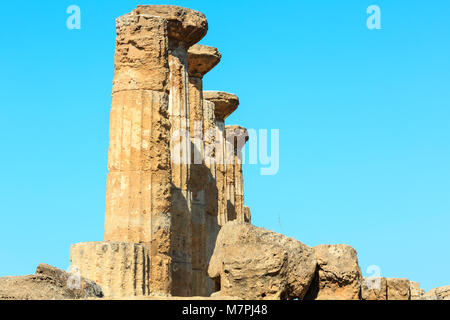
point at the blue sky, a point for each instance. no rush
(363, 118)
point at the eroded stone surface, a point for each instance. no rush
(121, 269)
(184, 25)
(49, 283)
(338, 275)
(202, 59)
(398, 289)
(415, 290)
(374, 288)
(255, 263)
(225, 103)
(441, 293)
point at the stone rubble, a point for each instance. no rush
(49, 283)
(255, 263)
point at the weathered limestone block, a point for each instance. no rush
(398, 289)
(49, 283)
(441, 293)
(255, 263)
(236, 137)
(201, 60)
(415, 290)
(121, 269)
(139, 191)
(338, 275)
(374, 288)
(224, 104)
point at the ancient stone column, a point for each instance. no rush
(236, 138)
(138, 192)
(147, 194)
(201, 60)
(211, 192)
(224, 105)
(185, 28)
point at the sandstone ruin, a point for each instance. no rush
(175, 220)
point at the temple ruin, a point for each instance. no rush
(174, 167)
(175, 219)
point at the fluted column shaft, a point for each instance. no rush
(236, 138)
(138, 195)
(180, 163)
(211, 190)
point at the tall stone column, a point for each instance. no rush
(185, 28)
(236, 137)
(211, 192)
(148, 200)
(138, 192)
(201, 60)
(224, 105)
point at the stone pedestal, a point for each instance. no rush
(121, 269)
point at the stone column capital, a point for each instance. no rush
(237, 136)
(185, 26)
(202, 59)
(225, 103)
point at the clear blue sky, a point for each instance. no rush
(363, 118)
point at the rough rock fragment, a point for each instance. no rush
(338, 275)
(398, 289)
(255, 263)
(374, 288)
(440, 293)
(49, 283)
